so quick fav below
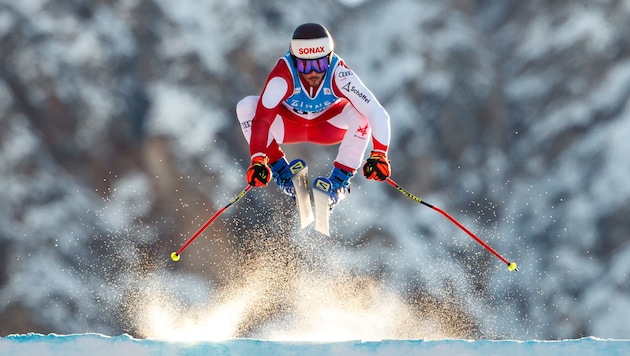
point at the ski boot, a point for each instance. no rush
(283, 172)
(337, 185)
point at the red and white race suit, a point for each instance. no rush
(342, 110)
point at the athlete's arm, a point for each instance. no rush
(278, 87)
(348, 85)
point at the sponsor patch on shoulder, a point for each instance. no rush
(345, 73)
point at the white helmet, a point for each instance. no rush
(310, 41)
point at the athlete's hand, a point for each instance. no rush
(258, 174)
(377, 166)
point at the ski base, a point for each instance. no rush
(302, 196)
(321, 196)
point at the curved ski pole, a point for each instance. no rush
(175, 255)
(511, 265)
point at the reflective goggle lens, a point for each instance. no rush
(319, 65)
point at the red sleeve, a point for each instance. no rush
(264, 115)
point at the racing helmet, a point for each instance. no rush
(311, 41)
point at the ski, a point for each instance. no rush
(321, 196)
(299, 170)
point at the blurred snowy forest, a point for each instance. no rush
(119, 139)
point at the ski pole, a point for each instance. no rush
(511, 265)
(175, 255)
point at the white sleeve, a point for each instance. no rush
(352, 88)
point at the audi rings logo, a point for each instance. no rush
(345, 73)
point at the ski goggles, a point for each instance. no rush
(305, 66)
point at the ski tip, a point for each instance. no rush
(512, 267)
(322, 208)
(174, 256)
(323, 231)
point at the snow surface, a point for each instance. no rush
(546, 219)
(98, 344)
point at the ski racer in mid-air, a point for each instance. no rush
(312, 96)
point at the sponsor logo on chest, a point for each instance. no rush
(299, 105)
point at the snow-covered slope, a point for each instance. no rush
(96, 344)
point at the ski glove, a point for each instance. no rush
(258, 173)
(377, 166)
